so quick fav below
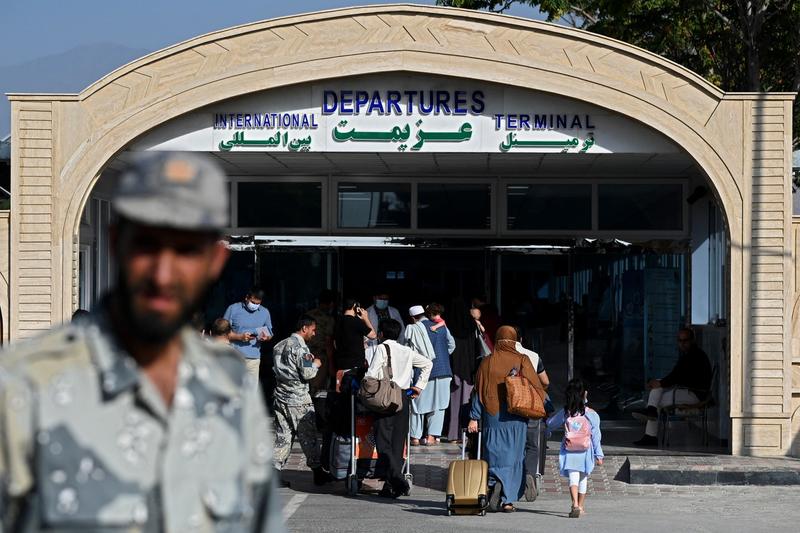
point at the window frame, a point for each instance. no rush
(283, 230)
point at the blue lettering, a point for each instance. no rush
(345, 100)
(314, 124)
(286, 120)
(220, 121)
(329, 102)
(576, 122)
(375, 103)
(248, 121)
(425, 109)
(393, 103)
(539, 122)
(257, 120)
(477, 106)
(295, 120)
(305, 121)
(511, 122)
(498, 119)
(561, 121)
(589, 125)
(362, 98)
(442, 102)
(460, 102)
(239, 121)
(524, 122)
(410, 103)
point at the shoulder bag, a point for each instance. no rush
(381, 395)
(523, 397)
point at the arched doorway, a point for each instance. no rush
(88, 130)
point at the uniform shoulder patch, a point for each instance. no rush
(55, 343)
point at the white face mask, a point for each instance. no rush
(252, 307)
(381, 304)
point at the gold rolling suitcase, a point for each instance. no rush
(468, 483)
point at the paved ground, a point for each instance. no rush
(690, 509)
(613, 505)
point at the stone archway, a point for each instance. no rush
(66, 140)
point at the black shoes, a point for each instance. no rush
(387, 491)
(647, 440)
(395, 490)
(321, 476)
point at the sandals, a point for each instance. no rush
(508, 508)
(415, 442)
(575, 512)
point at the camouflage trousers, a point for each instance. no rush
(295, 421)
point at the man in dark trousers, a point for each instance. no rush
(391, 429)
(687, 384)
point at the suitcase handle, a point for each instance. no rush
(464, 443)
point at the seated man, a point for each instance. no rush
(688, 383)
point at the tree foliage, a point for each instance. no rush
(739, 45)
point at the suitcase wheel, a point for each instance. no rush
(448, 503)
(410, 480)
(352, 485)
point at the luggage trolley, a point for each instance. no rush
(355, 475)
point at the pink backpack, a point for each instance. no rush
(577, 434)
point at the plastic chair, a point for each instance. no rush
(688, 412)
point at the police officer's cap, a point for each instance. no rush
(180, 190)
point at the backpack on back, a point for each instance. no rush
(577, 433)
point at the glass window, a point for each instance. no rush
(456, 206)
(641, 207)
(549, 207)
(280, 205)
(374, 205)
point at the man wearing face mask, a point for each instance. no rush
(251, 325)
(381, 310)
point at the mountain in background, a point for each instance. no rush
(69, 72)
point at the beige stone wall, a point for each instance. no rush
(740, 141)
(32, 187)
(793, 378)
(764, 426)
(5, 259)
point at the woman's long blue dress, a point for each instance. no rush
(503, 448)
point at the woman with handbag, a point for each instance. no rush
(396, 362)
(504, 432)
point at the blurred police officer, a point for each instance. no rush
(128, 420)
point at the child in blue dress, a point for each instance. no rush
(580, 448)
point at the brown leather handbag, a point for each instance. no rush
(525, 398)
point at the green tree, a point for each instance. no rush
(739, 45)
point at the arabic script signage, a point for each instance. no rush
(410, 113)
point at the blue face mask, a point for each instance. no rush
(252, 307)
(381, 304)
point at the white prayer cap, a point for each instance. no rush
(416, 310)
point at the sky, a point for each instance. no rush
(63, 46)
(36, 28)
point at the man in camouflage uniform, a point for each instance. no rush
(128, 420)
(294, 367)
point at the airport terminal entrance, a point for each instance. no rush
(604, 311)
